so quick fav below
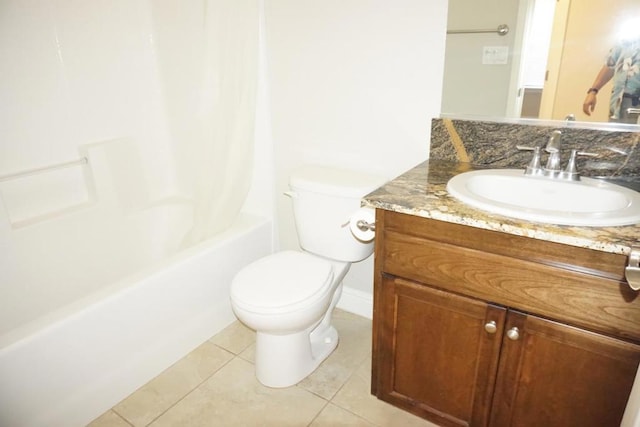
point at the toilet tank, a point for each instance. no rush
(323, 201)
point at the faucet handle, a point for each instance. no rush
(534, 167)
(571, 171)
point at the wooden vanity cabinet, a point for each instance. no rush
(478, 328)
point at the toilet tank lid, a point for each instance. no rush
(333, 181)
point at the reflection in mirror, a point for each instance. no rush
(543, 67)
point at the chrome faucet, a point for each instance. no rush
(553, 168)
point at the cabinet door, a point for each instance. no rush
(552, 374)
(438, 352)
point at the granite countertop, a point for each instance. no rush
(422, 192)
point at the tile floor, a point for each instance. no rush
(215, 385)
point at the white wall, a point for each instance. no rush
(353, 84)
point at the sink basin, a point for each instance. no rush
(509, 192)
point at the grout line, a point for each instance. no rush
(363, 361)
(196, 387)
(120, 416)
(234, 356)
(319, 412)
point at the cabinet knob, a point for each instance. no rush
(491, 327)
(513, 334)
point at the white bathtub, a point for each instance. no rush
(113, 305)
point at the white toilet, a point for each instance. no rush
(288, 297)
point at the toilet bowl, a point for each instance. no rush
(288, 297)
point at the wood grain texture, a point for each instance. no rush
(436, 286)
(556, 375)
(499, 273)
(442, 359)
(571, 258)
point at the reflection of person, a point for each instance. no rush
(623, 66)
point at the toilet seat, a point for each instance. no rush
(283, 282)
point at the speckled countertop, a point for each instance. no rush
(421, 191)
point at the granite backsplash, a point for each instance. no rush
(494, 144)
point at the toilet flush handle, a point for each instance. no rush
(291, 194)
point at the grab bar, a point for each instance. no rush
(34, 171)
(502, 30)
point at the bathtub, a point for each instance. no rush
(115, 299)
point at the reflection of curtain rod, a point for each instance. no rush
(502, 30)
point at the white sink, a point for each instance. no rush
(508, 192)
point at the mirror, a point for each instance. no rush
(541, 68)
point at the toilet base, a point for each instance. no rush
(285, 360)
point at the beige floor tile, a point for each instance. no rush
(249, 354)
(109, 419)
(333, 416)
(356, 397)
(211, 387)
(235, 338)
(353, 348)
(233, 397)
(162, 392)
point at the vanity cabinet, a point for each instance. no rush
(481, 328)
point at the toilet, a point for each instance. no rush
(288, 297)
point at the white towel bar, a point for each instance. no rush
(34, 171)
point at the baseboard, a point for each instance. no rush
(356, 302)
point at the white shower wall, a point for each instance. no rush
(352, 85)
(76, 73)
